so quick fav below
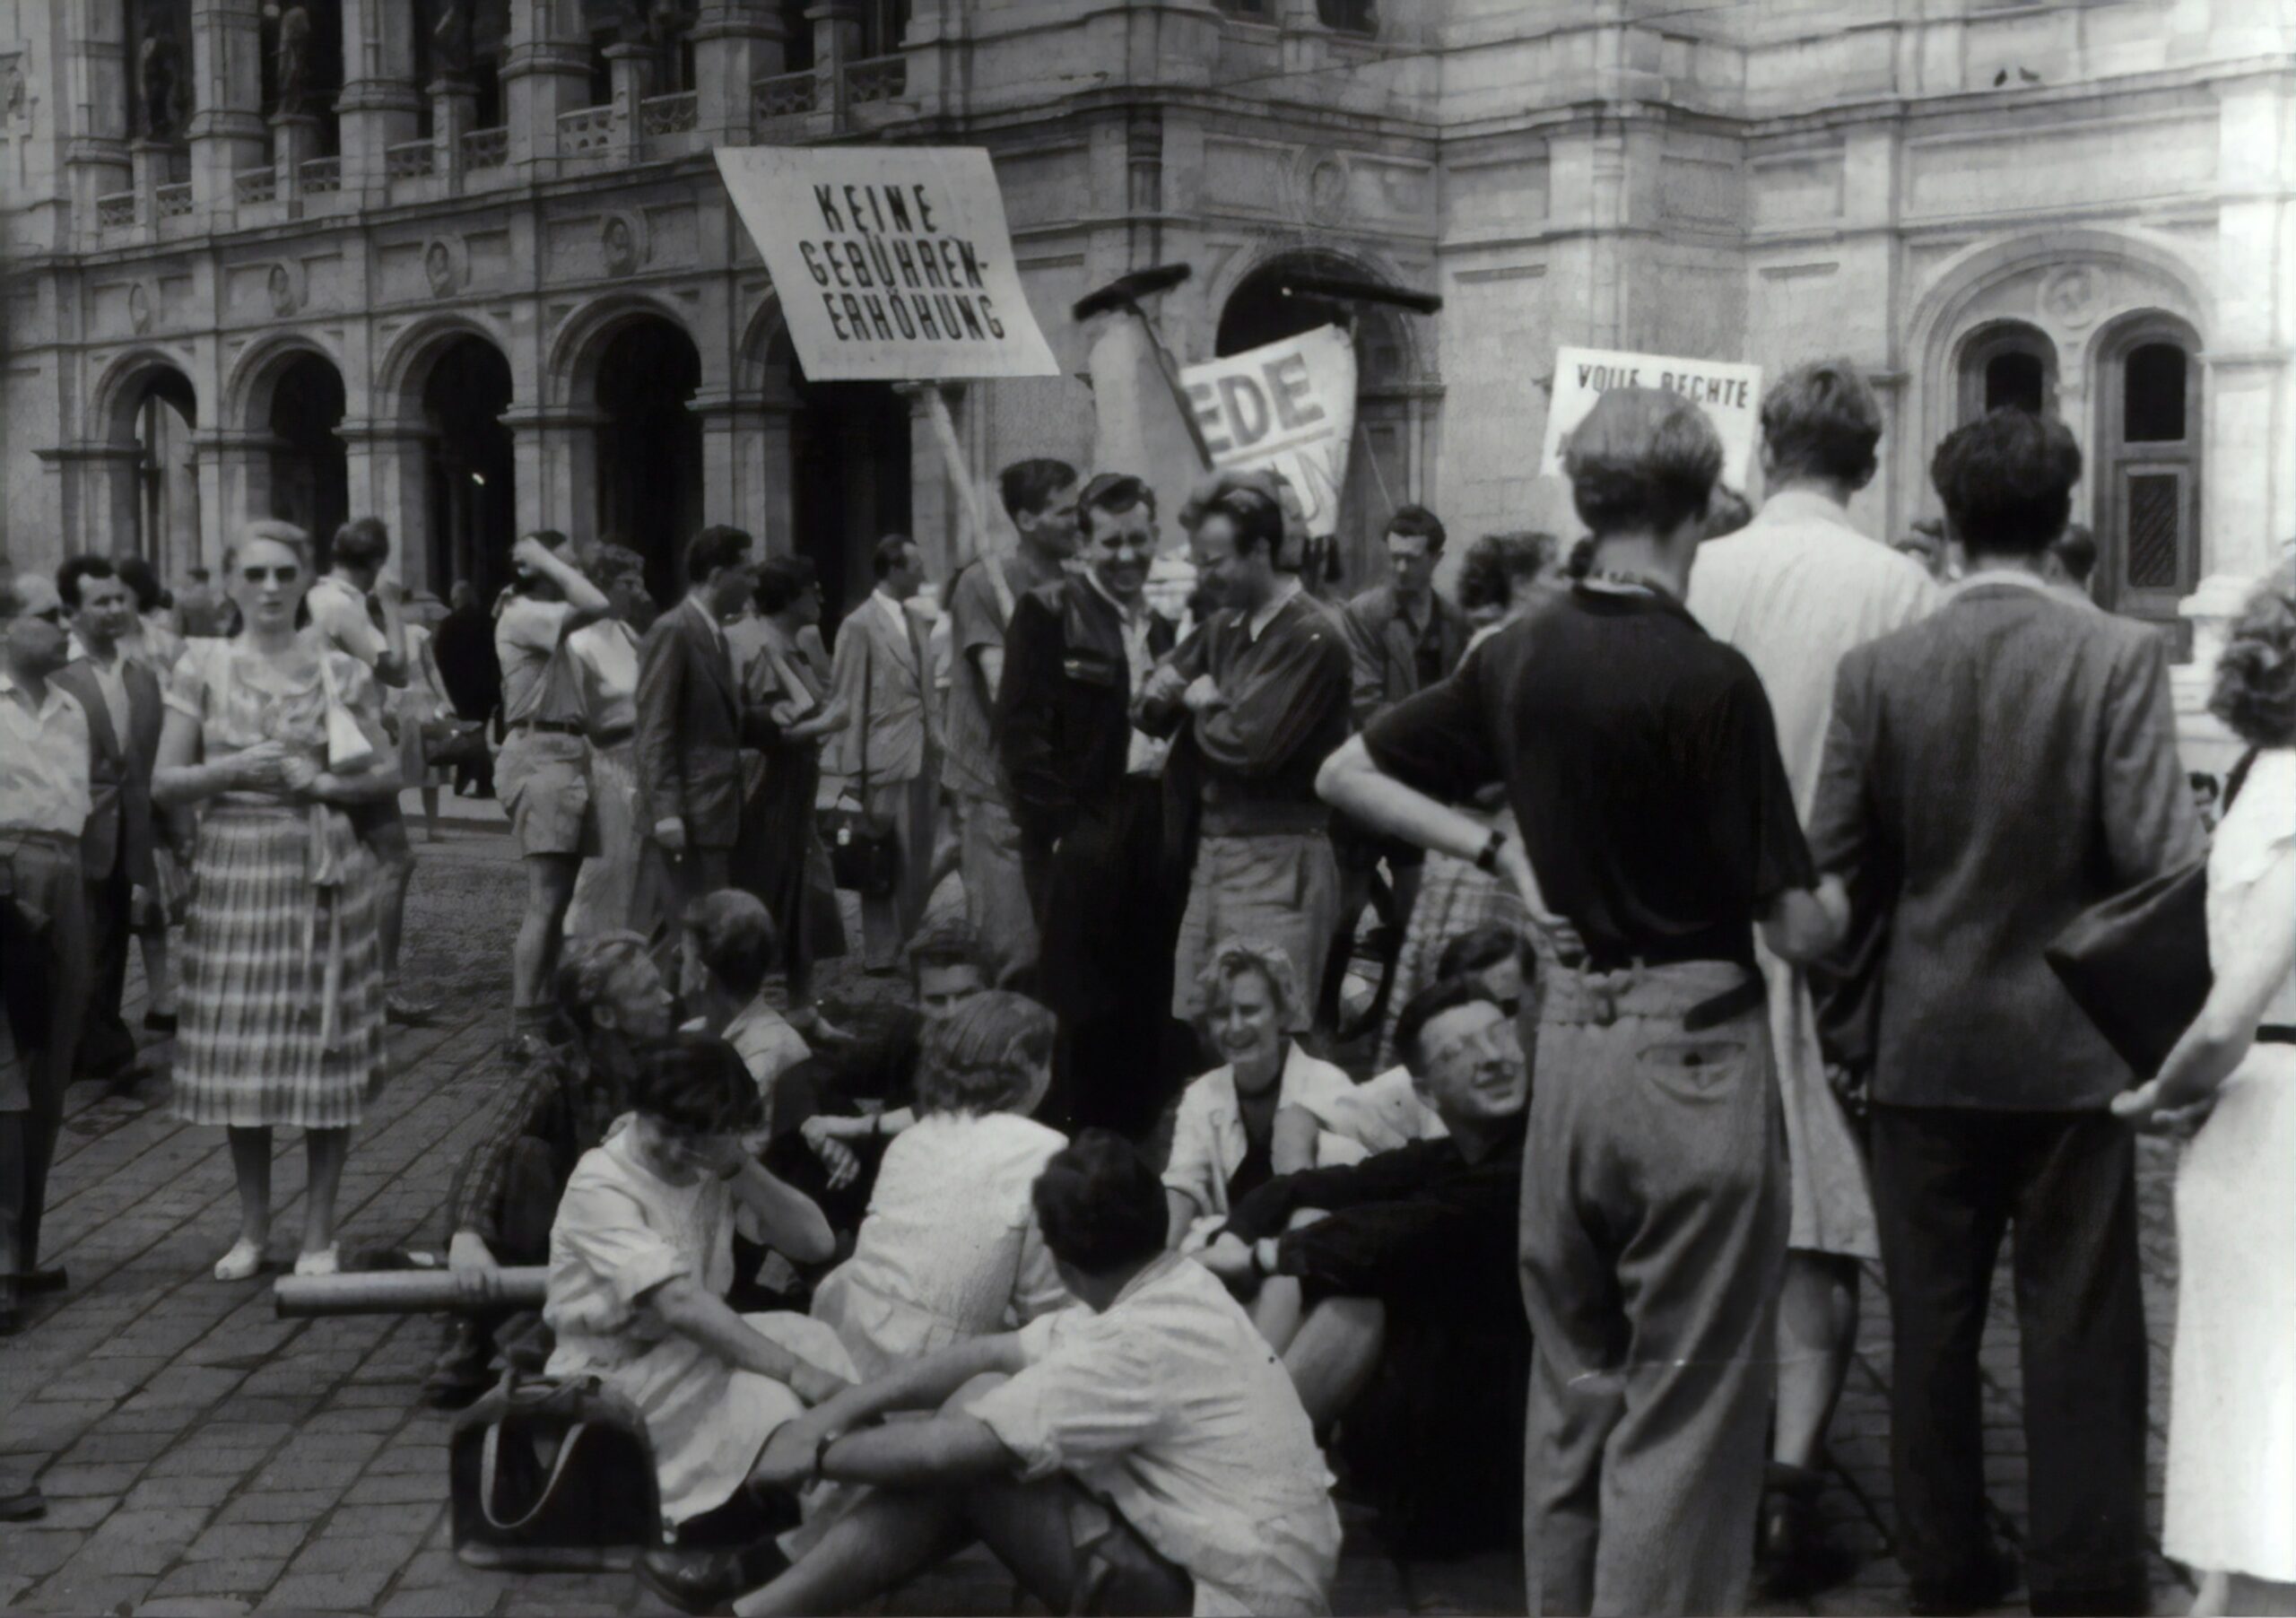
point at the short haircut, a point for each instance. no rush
(1248, 500)
(1445, 994)
(1821, 420)
(610, 562)
(68, 577)
(1100, 1205)
(2076, 550)
(268, 530)
(2255, 692)
(142, 579)
(1643, 457)
(717, 547)
(1479, 949)
(887, 556)
(737, 937)
(946, 942)
(2006, 479)
(1496, 565)
(11, 593)
(1234, 958)
(696, 1083)
(782, 579)
(363, 542)
(1417, 519)
(1027, 487)
(984, 1055)
(1116, 493)
(586, 968)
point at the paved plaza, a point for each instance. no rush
(202, 1457)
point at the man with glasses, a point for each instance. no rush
(1087, 791)
(1389, 1286)
(45, 799)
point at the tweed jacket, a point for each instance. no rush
(893, 743)
(1990, 773)
(122, 824)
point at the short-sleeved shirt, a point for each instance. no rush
(605, 665)
(1170, 1407)
(621, 1231)
(1641, 762)
(339, 613)
(44, 779)
(977, 623)
(526, 634)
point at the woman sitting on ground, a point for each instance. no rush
(640, 1260)
(950, 1248)
(1269, 1111)
(728, 946)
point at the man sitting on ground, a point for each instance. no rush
(1143, 1454)
(1388, 1111)
(1389, 1286)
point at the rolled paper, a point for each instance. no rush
(410, 1292)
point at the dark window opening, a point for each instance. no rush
(2153, 395)
(1349, 16)
(2014, 380)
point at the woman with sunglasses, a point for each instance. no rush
(283, 985)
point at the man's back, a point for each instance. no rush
(2003, 764)
(1795, 590)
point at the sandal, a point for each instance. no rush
(322, 1263)
(241, 1263)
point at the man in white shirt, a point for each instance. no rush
(337, 602)
(1795, 591)
(45, 797)
(1144, 1453)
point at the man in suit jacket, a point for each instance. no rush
(881, 676)
(121, 698)
(692, 725)
(1088, 794)
(1991, 772)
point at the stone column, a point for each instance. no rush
(546, 71)
(99, 495)
(234, 468)
(632, 68)
(379, 106)
(745, 478)
(385, 462)
(454, 113)
(836, 41)
(226, 127)
(294, 140)
(90, 88)
(150, 161)
(555, 446)
(736, 43)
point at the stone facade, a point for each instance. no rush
(1969, 197)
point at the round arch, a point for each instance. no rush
(1315, 257)
(569, 378)
(144, 409)
(405, 368)
(118, 393)
(248, 386)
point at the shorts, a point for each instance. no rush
(1359, 848)
(543, 779)
(1117, 1565)
(1280, 888)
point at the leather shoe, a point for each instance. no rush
(1986, 1586)
(705, 1582)
(1798, 1558)
(34, 1283)
(23, 1506)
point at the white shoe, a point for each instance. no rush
(321, 1263)
(241, 1263)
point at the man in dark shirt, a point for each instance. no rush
(1263, 693)
(1640, 760)
(1405, 1267)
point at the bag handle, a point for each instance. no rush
(489, 1467)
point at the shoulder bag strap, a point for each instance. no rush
(490, 1462)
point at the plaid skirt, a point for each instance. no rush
(254, 1049)
(1454, 898)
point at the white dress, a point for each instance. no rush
(950, 1248)
(621, 1232)
(2232, 1486)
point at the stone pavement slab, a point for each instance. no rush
(201, 1456)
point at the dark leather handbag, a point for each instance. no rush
(864, 851)
(2137, 964)
(550, 1477)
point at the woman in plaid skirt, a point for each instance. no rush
(282, 986)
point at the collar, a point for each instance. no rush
(1129, 616)
(1804, 505)
(2015, 578)
(1155, 1270)
(893, 609)
(708, 619)
(1418, 625)
(56, 698)
(1287, 589)
(81, 653)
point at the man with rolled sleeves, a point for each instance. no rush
(45, 797)
(1642, 765)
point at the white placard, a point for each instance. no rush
(1730, 394)
(893, 263)
(1288, 407)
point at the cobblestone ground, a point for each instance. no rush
(201, 1456)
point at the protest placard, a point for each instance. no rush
(1288, 407)
(1730, 394)
(893, 263)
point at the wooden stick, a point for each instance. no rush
(972, 531)
(409, 1292)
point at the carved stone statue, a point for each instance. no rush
(161, 62)
(450, 41)
(293, 57)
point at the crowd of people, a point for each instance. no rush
(1715, 858)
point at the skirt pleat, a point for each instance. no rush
(248, 1052)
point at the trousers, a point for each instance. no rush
(1654, 1220)
(44, 879)
(1948, 1182)
(887, 919)
(996, 892)
(106, 1046)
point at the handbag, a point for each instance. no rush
(863, 849)
(552, 1476)
(349, 748)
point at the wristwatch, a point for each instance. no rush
(1487, 862)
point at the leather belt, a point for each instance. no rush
(613, 738)
(552, 727)
(2276, 1033)
(1730, 1002)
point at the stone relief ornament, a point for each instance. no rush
(622, 240)
(139, 308)
(439, 267)
(1320, 180)
(280, 285)
(2074, 296)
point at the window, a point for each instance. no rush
(2009, 365)
(2153, 395)
(1349, 16)
(2014, 380)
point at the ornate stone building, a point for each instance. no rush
(469, 267)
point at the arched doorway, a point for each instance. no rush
(2008, 364)
(2147, 471)
(1265, 307)
(310, 480)
(850, 479)
(650, 447)
(470, 472)
(162, 413)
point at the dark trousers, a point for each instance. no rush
(43, 876)
(1948, 1182)
(107, 1047)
